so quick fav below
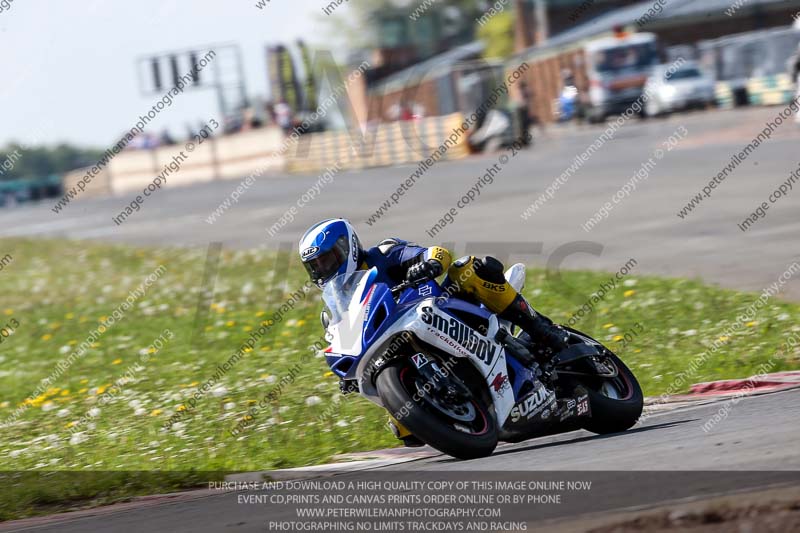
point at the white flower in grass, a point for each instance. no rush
(140, 411)
(270, 379)
(93, 412)
(48, 406)
(342, 424)
(64, 349)
(77, 438)
(690, 332)
(783, 316)
(272, 421)
(220, 391)
(135, 403)
(179, 426)
(228, 406)
(15, 453)
(313, 400)
(283, 408)
(630, 282)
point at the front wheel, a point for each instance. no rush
(616, 403)
(461, 427)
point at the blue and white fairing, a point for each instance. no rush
(364, 318)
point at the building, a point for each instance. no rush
(676, 23)
(440, 70)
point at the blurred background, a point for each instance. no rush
(72, 90)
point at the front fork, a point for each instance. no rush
(452, 390)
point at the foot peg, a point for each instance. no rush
(515, 346)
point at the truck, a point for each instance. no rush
(609, 73)
(617, 68)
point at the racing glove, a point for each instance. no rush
(424, 271)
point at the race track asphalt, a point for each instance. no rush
(668, 457)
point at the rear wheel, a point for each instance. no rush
(616, 402)
(461, 427)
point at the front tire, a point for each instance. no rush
(463, 439)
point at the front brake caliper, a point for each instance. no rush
(348, 386)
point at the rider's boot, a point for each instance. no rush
(541, 329)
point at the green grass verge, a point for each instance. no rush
(59, 292)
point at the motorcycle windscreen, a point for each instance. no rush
(345, 298)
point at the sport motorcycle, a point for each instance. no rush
(458, 377)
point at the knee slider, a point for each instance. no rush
(490, 269)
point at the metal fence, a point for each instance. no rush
(737, 58)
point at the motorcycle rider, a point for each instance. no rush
(331, 247)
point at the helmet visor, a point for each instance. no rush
(327, 264)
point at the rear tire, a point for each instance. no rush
(429, 425)
(612, 415)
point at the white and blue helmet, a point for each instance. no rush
(329, 248)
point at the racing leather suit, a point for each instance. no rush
(470, 278)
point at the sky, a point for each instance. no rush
(68, 68)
